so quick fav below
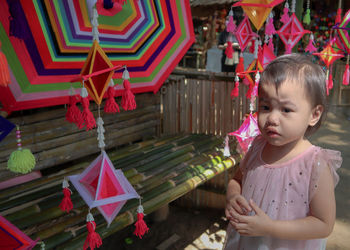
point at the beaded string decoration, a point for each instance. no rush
(22, 160)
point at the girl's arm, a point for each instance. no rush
(234, 185)
(235, 202)
(318, 225)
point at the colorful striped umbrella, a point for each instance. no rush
(149, 37)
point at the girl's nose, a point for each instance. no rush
(272, 119)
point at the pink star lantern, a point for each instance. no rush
(257, 10)
(247, 132)
(244, 33)
(291, 32)
(266, 55)
(343, 29)
(328, 55)
(13, 238)
(101, 186)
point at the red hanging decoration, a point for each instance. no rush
(240, 65)
(93, 239)
(330, 81)
(231, 27)
(140, 225)
(235, 90)
(88, 118)
(111, 106)
(66, 203)
(128, 98)
(74, 114)
(285, 17)
(310, 47)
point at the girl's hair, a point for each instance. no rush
(299, 69)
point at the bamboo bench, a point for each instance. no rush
(161, 169)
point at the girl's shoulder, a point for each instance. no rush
(325, 158)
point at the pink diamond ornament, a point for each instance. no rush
(344, 31)
(244, 33)
(266, 56)
(247, 132)
(292, 31)
(104, 187)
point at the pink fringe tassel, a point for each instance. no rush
(128, 98)
(285, 17)
(231, 27)
(111, 105)
(88, 117)
(270, 29)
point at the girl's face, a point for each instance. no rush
(284, 115)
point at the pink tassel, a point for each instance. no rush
(346, 75)
(270, 29)
(285, 17)
(250, 91)
(88, 117)
(74, 114)
(229, 50)
(111, 106)
(93, 239)
(240, 65)
(231, 27)
(330, 81)
(66, 203)
(128, 98)
(235, 90)
(310, 47)
(140, 225)
(338, 17)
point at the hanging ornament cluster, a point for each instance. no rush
(96, 79)
(100, 184)
(292, 31)
(231, 29)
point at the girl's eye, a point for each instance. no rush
(287, 110)
(264, 107)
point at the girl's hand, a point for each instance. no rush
(256, 225)
(237, 205)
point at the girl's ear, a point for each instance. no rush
(316, 115)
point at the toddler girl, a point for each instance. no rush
(283, 194)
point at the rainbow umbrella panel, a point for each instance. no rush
(46, 43)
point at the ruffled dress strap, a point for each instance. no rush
(324, 158)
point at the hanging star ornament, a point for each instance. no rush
(291, 32)
(247, 132)
(101, 186)
(343, 30)
(257, 10)
(328, 55)
(97, 72)
(13, 238)
(266, 55)
(244, 33)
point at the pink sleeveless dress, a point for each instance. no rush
(284, 191)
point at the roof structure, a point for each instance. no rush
(195, 3)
